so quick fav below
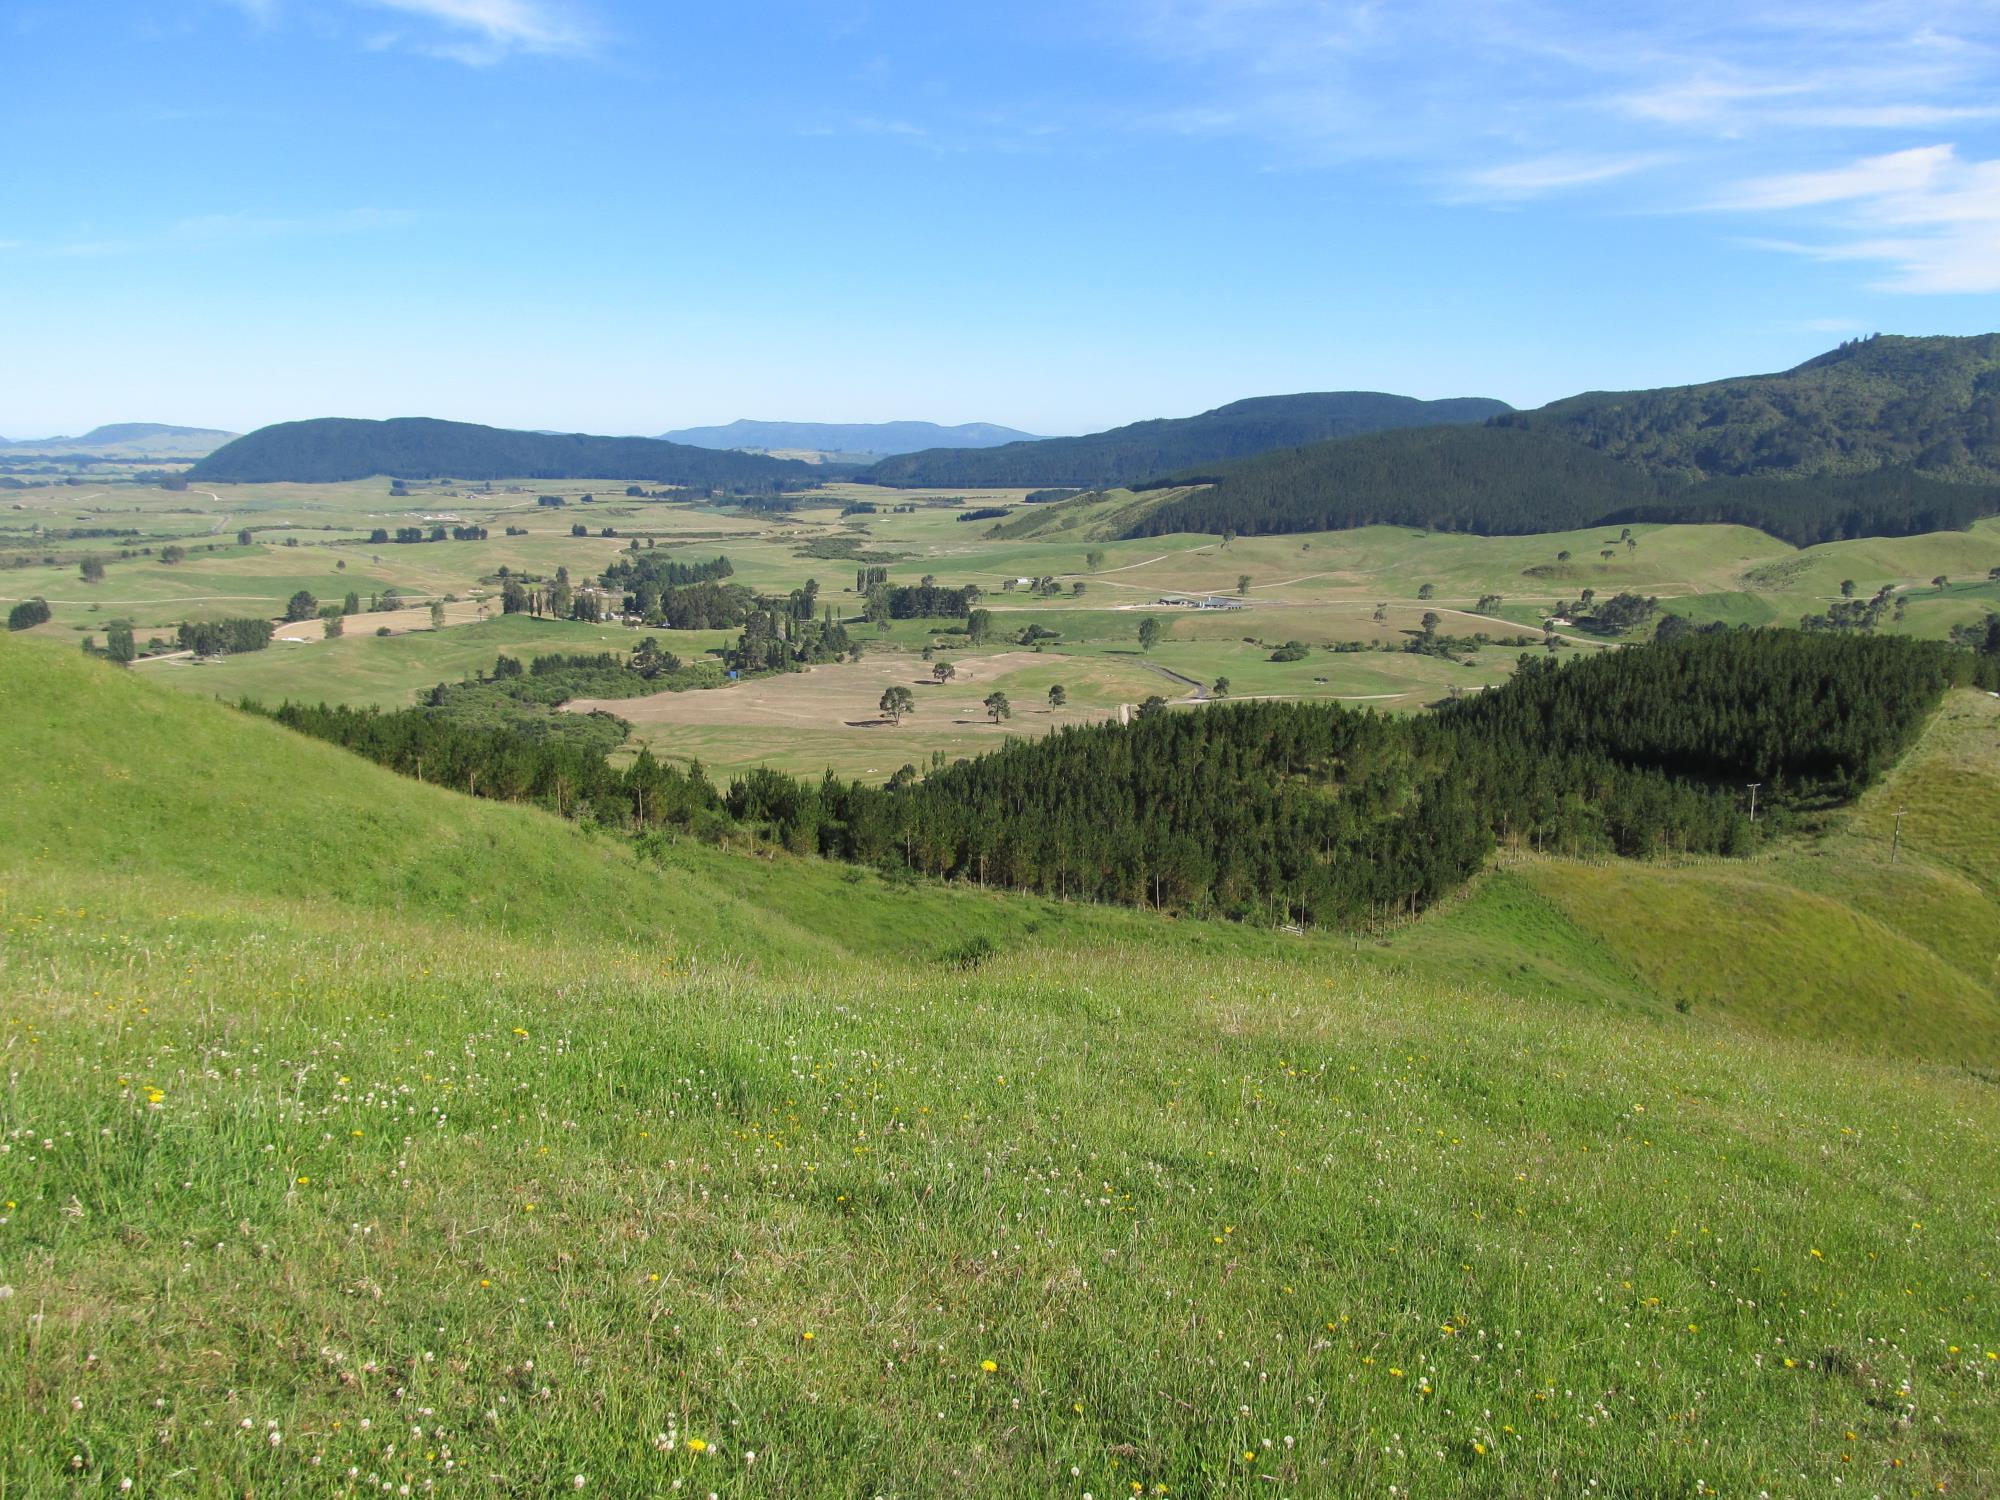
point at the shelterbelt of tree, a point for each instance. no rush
(1888, 436)
(327, 450)
(1312, 812)
(1125, 454)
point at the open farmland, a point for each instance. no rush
(1323, 590)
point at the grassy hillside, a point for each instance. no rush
(1835, 936)
(306, 1182)
(1125, 454)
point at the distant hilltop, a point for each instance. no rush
(325, 450)
(1126, 454)
(879, 439)
(125, 440)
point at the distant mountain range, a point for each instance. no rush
(124, 440)
(330, 449)
(1883, 436)
(1128, 454)
(862, 438)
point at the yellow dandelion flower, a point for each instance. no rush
(696, 1445)
(988, 1366)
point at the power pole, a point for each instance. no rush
(1753, 799)
(1896, 842)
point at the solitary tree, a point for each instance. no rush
(1152, 706)
(1242, 583)
(1149, 633)
(943, 671)
(1562, 557)
(118, 643)
(91, 569)
(28, 614)
(1608, 553)
(1487, 602)
(334, 625)
(1058, 695)
(998, 706)
(1431, 623)
(437, 614)
(1847, 588)
(1939, 582)
(1076, 589)
(1381, 613)
(1427, 591)
(301, 606)
(978, 626)
(897, 701)
(243, 537)
(173, 553)
(1221, 688)
(1094, 559)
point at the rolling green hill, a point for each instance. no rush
(742, 1174)
(330, 449)
(1125, 454)
(1887, 437)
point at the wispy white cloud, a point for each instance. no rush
(1896, 174)
(1929, 216)
(1765, 109)
(1552, 173)
(476, 32)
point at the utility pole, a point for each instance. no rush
(1896, 842)
(1753, 799)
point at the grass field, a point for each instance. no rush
(358, 1134)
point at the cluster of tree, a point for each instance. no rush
(984, 513)
(1809, 716)
(928, 600)
(332, 449)
(569, 775)
(407, 534)
(632, 572)
(28, 614)
(1614, 616)
(224, 637)
(1849, 613)
(867, 580)
(776, 638)
(1126, 454)
(1049, 497)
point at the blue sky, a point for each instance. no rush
(615, 216)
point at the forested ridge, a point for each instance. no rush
(1126, 454)
(1304, 811)
(1931, 404)
(1885, 437)
(330, 449)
